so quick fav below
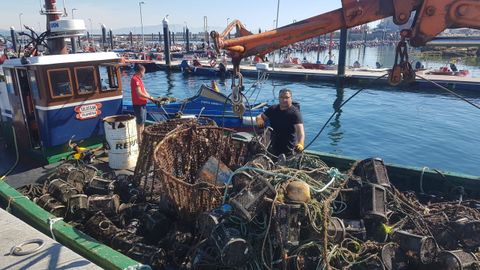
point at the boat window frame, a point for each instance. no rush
(112, 70)
(95, 81)
(34, 89)
(10, 81)
(50, 83)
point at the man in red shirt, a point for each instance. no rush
(3, 57)
(140, 98)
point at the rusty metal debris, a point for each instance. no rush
(298, 213)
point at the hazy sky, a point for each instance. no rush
(125, 13)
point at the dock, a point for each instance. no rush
(352, 76)
(52, 255)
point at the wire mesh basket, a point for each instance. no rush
(152, 135)
(180, 156)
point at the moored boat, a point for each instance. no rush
(54, 98)
(229, 241)
(212, 69)
(319, 66)
(207, 103)
(448, 71)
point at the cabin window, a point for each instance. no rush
(33, 84)
(108, 78)
(85, 80)
(60, 82)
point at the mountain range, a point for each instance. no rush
(147, 29)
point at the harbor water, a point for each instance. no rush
(411, 127)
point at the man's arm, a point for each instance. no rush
(260, 120)
(142, 94)
(300, 135)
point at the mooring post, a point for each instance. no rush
(166, 41)
(110, 33)
(187, 37)
(104, 37)
(342, 55)
(14, 38)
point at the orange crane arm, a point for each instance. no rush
(432, 17)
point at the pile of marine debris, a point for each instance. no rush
(238, 209)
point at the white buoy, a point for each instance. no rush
(121, 136)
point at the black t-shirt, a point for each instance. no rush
(282, 122)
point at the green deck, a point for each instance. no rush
(79, 242)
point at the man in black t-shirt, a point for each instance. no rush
(287, 124)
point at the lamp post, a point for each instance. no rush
(91, 27)
(21, 26)
(276, 26)
(185, 32)
(228, 19)
(73, 9)
(141, 22)
(278, 10)
(91, 30)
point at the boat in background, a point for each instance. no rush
(449, 70)
(446, 71)
(319, 66)
(206, 103)
(212, 69)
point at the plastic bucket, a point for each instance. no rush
(121, 136)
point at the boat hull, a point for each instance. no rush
(207, 103)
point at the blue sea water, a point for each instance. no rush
(413, 127)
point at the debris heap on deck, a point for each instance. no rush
(204, 200)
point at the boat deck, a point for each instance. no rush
(52, 255)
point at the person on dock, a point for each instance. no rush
(287, 124)
(140, 97)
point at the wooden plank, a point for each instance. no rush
(53, 255)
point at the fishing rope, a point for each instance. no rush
(326, 213)
(421, 179)
(12, 199)
(338, 110)
(449, 91)
(333, 172)
(18, 250)
(51, 222)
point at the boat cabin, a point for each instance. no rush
(52, 99)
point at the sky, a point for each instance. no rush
(117, 14)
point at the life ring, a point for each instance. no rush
(213, 62)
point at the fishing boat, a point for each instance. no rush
(207, 103)
(57, 89)
(430, 183)
(48, 100)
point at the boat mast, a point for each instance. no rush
(56, 45)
